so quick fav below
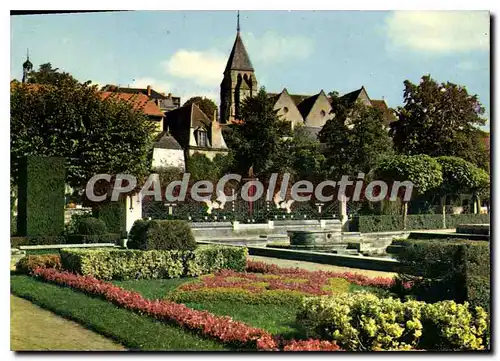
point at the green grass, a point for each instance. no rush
(128, 328)
(276, 319)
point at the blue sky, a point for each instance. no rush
(184, 52)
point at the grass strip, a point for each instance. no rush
(134, 331)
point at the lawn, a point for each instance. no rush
(134, 331)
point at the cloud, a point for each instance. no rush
(200, 67)
(439, 32)
(157, 84)
(275, 48)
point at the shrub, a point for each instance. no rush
(130, 264)
(85, 239)
(73, 225)
(90, 226)
(446, 270)
(41, 196)
(364, 322)
(161, 235)
(15, 242)
(211, 259)
(30, 263)
(113, 215)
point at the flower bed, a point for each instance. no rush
(355, 278)
(223, 329)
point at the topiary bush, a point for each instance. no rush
(91, 226)
(112, 214)
(29, 263)
(161, 235)
(364, 322)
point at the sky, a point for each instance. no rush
(185, 52)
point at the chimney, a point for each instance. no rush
(149, 90)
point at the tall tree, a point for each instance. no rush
(355, 139)
(48, 75)
(206, 105)
(72, 120)
(439, 119)
(256, 140)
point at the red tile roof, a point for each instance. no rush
(139, 101)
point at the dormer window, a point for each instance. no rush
(202, 138)
(323, 113)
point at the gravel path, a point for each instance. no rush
(317, 266)
(34, 329)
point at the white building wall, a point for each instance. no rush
(168, 158)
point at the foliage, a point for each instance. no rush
(41, 196)
(445, 270)
(440, 119)
(138, 333)
(73, 121)
(72, 226)
(364, 322)
(311, 345)
(255, 141)
(30, 263)
(222, 329)
(51, 76)
(91, 226)
(134, 264)
(15, 242)
(161, 235)
(206, 105)
(356, 139)
(112, 214)
(423, 171)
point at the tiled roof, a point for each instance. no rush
(167, 141)
(139, 101)
(306, 105)
(154, 93)
(351, 97)
(239, 59)
(389, 117)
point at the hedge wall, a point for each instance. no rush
(113, 215)
(133, 264)
(161, 235)
(41, 196)
(448, 269)
(367, 224)
(15, 242)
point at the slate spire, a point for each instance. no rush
(238, 59)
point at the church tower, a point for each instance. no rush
(27, 67)
(239, 80)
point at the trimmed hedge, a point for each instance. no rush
(161, 235)
(97, 238)
(368, 224)
(113, 215)
(41, 196)
(365, 322)
(91, 226)
(30, 263)
(135, 264)
(15, 242)
(449, 269)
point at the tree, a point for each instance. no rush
(206, 105)
(72, 121)
(460, 176)
(423, 171)
(48, 75)
(256, 140)
(439, 120)
(355, 139)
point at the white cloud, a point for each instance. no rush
(157, 84)
(273, 47)
(201, 67)
(439, 31)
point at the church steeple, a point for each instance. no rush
(239, 79)
(27, 67)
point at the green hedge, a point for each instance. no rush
(113, 215)
(161, 235)
(447, 269)
(96, 238)
(136, 264)
(41, 196)
(15, 242)
(91, 226)
(368, 224)
(365, 322)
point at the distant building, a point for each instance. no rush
(166, 102)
